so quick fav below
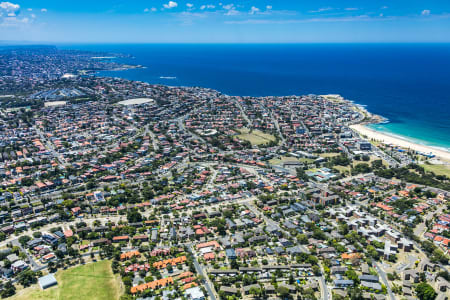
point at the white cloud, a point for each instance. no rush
(14, 22)
(44, 10)
(384, 7)
(269, 7)
(425, 12)
(351, 8)
(207, 6)
(9, 15)
(8, 6)
(170, 5)
(146, 10)
(321, 9)
(9, 9)
(253, 10)
(360, 18)
(231, 10)
(29, 9)
(153, 9)
(190, 5)
(228, 6)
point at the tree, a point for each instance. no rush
(377, 164)
(133, 216)
(425, 291)
(351, 274)
(27, 278)
(373, 252)
(291, 279)
(361, 168)
(8, 290)
(343, 228)
(302, 239)
(302, 175)
(255, 291)
(283, 291)
(316, 270)
(355, 294)
(59, 254)
(23, 240)
(309, 294)
(127, 281)
(169, 268)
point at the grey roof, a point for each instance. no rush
(288, 286)
(230, 252)
(47, 281)
(219, 271)
(343, 282)
(228, 289)
(372, 278)
(295, 250)
(338, 269)
(248, 287)
(372, 285)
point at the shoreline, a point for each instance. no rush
(369, 118)
(398, 141)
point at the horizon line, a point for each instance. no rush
(55, 43)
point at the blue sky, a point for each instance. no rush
(256, 21)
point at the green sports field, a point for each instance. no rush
(93, 281)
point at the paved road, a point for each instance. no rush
(268, 221)
(323, 287)
(249, 123)
(153, 136)
(34, 265)
(200, 271)
(385, 281)
(421, 228)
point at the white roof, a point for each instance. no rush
(47, 281)
(136, 101)
(195, 293)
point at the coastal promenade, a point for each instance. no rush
(389, 139)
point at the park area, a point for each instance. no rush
(255, 137)
(347, 169)
(438, 169)
(87, 282)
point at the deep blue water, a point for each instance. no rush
(409, 84)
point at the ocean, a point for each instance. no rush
(408, 84)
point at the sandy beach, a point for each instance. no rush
(389, 139)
